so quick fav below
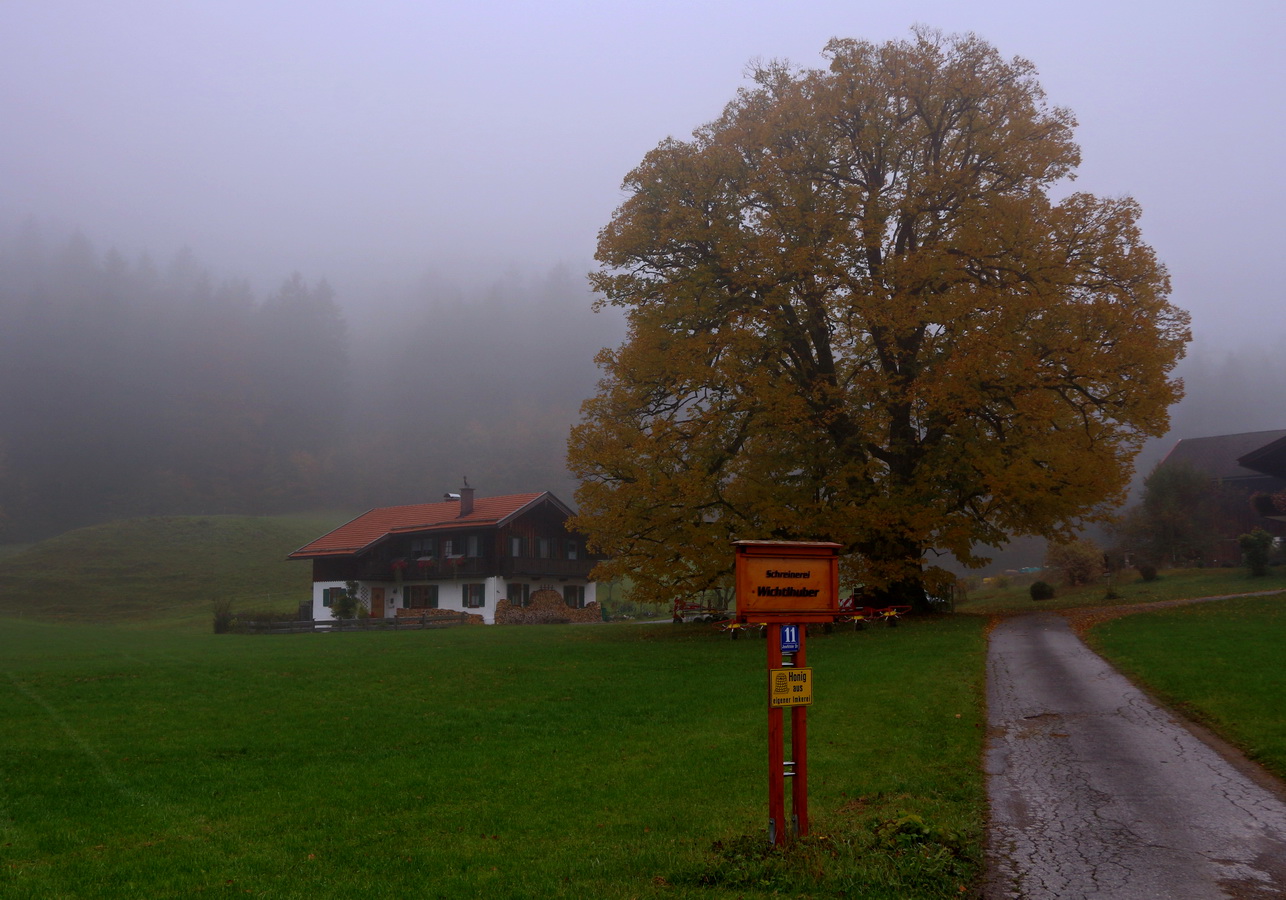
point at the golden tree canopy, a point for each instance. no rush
(857, 313)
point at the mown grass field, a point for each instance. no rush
(145, 756)
(589, 761)
(1219, 662)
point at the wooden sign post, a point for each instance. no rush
(787, 584)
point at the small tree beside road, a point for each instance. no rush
(1180, 519)
(1079, 562)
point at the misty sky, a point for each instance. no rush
(368, 142)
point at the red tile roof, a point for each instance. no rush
(375, 524)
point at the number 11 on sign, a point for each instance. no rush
(790, 639)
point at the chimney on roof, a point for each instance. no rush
(466, 499)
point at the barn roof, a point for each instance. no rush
(1222, 456)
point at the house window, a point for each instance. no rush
(424, 547)
(574, 595)
(519, 594)
(330, 595)
(516, 549)
(474, 596)
(543, 548)
(422, 596)
(451, 547)
(472, 546)
(573, 550)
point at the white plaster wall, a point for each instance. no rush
(322, 613)
(492, 593)
(450, 596)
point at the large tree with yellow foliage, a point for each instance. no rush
(864, 308)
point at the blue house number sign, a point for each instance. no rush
(790, 639)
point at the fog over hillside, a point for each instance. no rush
(257, 256)
(130, 388)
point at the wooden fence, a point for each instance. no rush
(401, 623)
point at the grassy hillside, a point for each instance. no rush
(1123, 588)
(164, 570)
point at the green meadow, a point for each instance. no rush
(574, 761)
(145, 756)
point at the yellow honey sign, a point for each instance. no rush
(790, 687)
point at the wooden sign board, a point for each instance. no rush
(787, 581)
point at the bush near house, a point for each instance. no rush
(1255, 548)
(347, 604)
(1079, 562)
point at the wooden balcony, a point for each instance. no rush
(533, 568)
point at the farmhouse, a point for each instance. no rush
(494, 558)
(1249, 471)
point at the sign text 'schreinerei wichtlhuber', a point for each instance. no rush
(790, 585)
(787, 590)
(789, 582)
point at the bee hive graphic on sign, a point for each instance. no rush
(780, 684)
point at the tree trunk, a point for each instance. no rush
(907, 589)
(906, 592)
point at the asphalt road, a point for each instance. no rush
(1097, 793)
